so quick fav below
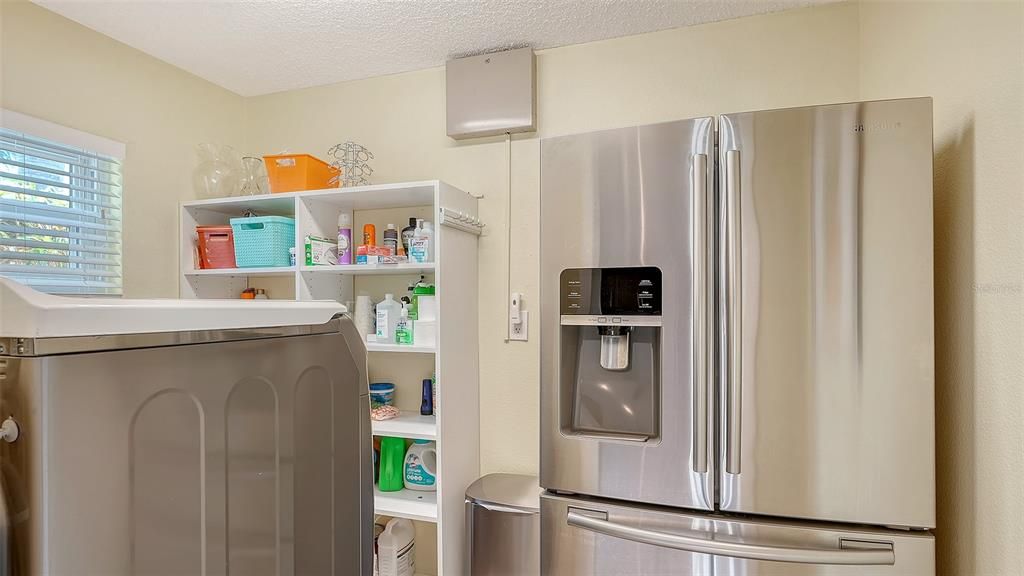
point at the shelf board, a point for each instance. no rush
(372, 269)
(407, 425)
(407, 348)
(235, 206)
(398, 195)
(410, 504)
(376, 196)
(269, 271)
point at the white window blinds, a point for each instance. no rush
(60, 215)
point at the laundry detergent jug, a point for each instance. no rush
(421, 466)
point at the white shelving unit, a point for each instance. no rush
(455, 428)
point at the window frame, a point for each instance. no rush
(85, 144)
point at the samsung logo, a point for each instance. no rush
(875, 127)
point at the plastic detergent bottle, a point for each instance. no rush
(344, 238)
(388, 313)
(396, 548)
(421, 466)
(392, 455)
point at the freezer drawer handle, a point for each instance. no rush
(871, 554)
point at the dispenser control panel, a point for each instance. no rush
(611, 292)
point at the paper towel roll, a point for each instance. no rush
(364, 315)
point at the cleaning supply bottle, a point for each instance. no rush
(427, 398)
(369, 235)
(417, 289)
(344, 238)
(396, 548)
(403, 329)
(418, 245)
(421, 292)
(388, 313)
(392, 458)
(407, 233)
(428, 232)
(421, 466)
(391, 239)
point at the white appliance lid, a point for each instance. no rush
(26, 313)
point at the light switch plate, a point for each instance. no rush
(519, 331)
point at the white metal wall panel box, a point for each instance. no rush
(491, 94)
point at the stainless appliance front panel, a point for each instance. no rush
(634, 197)
(247, 457)
(591, 537)
(827, 399)
(503, 541)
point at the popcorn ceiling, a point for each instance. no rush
(264, 46)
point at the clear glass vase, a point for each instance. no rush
(253, 176)
(217, 173)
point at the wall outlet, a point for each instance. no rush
(518, 330)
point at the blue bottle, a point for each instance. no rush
(427, 401)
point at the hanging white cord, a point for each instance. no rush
(508, 236)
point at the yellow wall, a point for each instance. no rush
(57, 70)
(970, 58)
(729, 66)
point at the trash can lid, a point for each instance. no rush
(518, 491)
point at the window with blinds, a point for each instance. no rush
(60, 216)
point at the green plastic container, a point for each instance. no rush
(392, 464)
(420, 289)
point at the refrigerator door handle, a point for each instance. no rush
(849, 552)
(698, 311)
(734, 311)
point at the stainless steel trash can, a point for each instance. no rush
(503, 520)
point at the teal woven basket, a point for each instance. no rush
(263, 241)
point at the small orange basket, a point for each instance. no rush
(297, 172)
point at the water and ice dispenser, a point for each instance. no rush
(610, 381)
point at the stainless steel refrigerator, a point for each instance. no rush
(737, 370)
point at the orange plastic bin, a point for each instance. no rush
(216, 247)
(297, 172)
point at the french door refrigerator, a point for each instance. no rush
(737, 345)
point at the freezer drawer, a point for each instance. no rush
(247, 457)
(589, 537)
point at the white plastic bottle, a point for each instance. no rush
(396, 548)
(388, 313)
(416, 244)
(422, 245)
(428, 232)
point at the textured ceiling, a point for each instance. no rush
(263, 46)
